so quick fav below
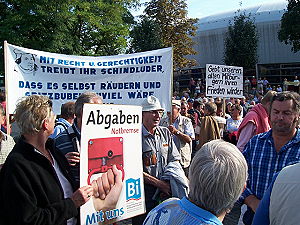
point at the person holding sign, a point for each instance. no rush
(68, 142)
(36, 186)
(36, 183)
(107, 188)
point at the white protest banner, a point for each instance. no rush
(111, 135)
(120, 79)
(224, 81)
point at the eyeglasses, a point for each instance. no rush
(155, 112)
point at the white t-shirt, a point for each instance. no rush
(66, 186)
(232, 125)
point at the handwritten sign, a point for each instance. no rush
(224, 81)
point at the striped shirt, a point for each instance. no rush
(263, 161)
(63, 142)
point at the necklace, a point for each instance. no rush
(47, 155)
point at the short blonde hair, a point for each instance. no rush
(31, 112)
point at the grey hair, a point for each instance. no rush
(31, 112)
(86, 97)
(217, 175)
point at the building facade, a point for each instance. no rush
(276, 61)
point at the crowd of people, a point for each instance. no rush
(254, 88)
(202, 161)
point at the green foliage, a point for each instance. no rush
(176, 28)
(290, 25)
(241, 43)
(77, 27)
(145, 36)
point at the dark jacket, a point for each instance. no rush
(30, 192)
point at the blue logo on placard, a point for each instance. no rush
(133, 189)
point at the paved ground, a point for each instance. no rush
(125, 222)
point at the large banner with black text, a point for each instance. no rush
(121, 79)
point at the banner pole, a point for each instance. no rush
(172, 79)
(6, 88)
(224, 107)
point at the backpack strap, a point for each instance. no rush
(74, 139)
(61, 124)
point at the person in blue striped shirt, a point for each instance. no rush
(269, 152)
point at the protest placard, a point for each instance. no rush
(224, 81)
(111, 135)
(120, 79)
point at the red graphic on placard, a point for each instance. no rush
(103, 153)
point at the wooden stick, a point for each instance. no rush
(6, 88)
(224, 107)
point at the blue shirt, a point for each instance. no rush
(60, 128)
(280, 204)
(63, 142)
(262, 212)
(181, 212)
(263, 161)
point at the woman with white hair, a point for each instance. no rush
(217, 175)
(36, 186)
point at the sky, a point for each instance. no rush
(202, 8)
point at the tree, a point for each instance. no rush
(241, 42)
(290, 25)
(77, 27)
(145, 36)
(176, 28)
